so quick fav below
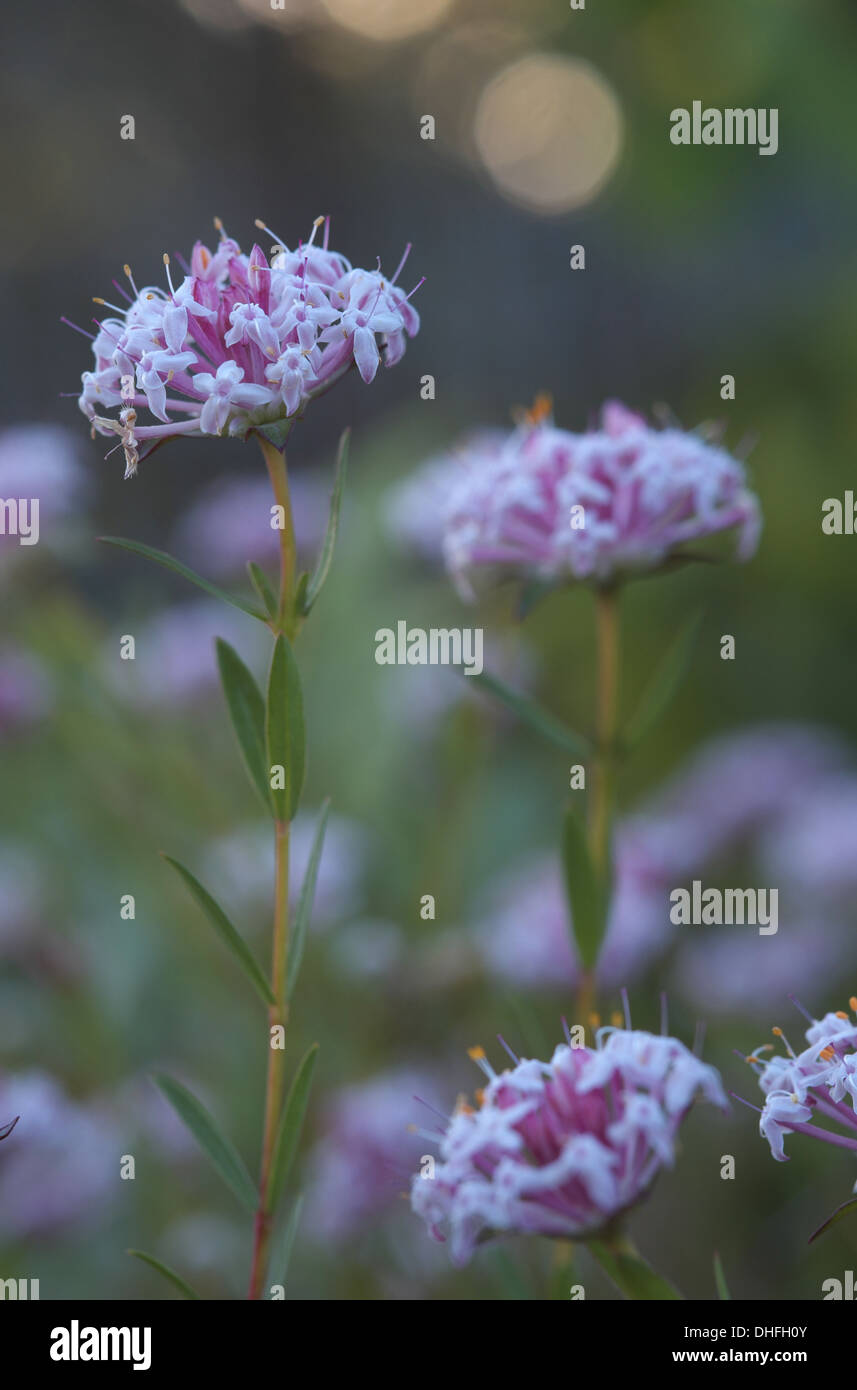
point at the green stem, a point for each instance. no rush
(277, 1015)
(275, 460)
(604, 761)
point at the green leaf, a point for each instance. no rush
(631, 1274)
(276, 431)
(664, 684)
(225, 930)
(162, 558)
(247, 711)
(288, 1136)
(314, 585)
(305, 902)
(262, 585)
(587, 898)
(841, 1211)
(532, 714)
(220, 1150)
(284, 730)
(282, 1252)
(169, 1274)
(720, 1280)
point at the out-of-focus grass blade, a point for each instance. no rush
(720, 1280)
(282, 1253)
(247, 712)
(320, 573)
(169, 1274)
(586, 897)
(284, 729)
(6, 1130)
(303, 915)
(664, 684)
(225, 930)
(843, 1210)
(532, 714)
(631, 1275)
(169, 562)
(291, 1124)
(220, 1150)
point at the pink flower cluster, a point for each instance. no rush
(542, 503)
(817, 1084)
(560, 1148)
(241, 342)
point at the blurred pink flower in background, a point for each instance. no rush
(60, 1166)
(175, 661)
(768, 806)
(41, 462)
(524, 932)
(414, 509)
(239, 866)
(641, 495)
(26, 693)
(229, 523)
(362, 1163)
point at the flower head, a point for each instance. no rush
(622, 499)
(241, 343)
(819, 1083)
(561, 1148)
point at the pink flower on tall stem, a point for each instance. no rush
(598, 507)
(241, 342)
(562, 1148)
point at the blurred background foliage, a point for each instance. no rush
(699, 262)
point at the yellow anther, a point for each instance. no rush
(476, 1054)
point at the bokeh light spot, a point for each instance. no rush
(387, 20)
(549, 131)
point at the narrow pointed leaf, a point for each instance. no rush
(169, 562)
(843, 1210)
(532, 714)
(6, 1130)
(300, 592)
(291, 1124)
(631, 1275)
(319, 575)
(262, 585)
(664, 684)
(284, 730)
(247, 711)
(282, 1253)
(225, 930)
(169, 1274)
(220, 1150)
(720, 1280)
(303, 915)
(586, 896)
